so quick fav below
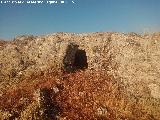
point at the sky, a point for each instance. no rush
(79, 16)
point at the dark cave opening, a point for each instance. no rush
(80, 61)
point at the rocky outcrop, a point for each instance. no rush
(131, 60)
(130, 57)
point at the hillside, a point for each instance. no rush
(67, 76)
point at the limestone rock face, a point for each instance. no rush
(27, 56)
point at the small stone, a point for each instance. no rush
(55, 89)
(155, 90)
(102, 111)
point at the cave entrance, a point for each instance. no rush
(80, 60)
(74, 59)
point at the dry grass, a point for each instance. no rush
(84, 95)
(95, 95)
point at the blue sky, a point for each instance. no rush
(81, 16)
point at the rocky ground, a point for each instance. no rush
(69, 76)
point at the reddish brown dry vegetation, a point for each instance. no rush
(89, 95)
(86, 92)
(25, 89)
(84, 95)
